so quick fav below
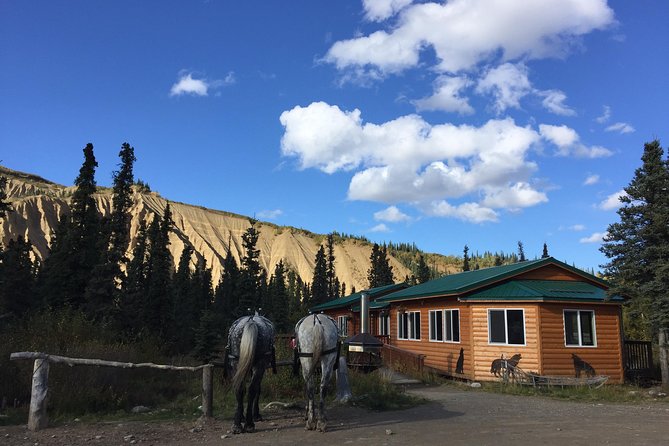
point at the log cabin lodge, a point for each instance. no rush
(559, 319)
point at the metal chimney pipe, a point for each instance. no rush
(364, 313)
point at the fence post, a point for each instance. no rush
(37, 417)
(208, 390)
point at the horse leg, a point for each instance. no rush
(256, 400)
(311, 415)
(239, 412)
(254, 393)
(327, 367)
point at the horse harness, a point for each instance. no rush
(299, 354)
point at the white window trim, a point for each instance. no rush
(443, 326)
(459, 337)
(381, 324)
(408, 328)
(343, 327)
(506, 327)
(580, 333)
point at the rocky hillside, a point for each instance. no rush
(37, 204)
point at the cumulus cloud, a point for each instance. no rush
(576, 228)
(554, 102)
(568, 142)
(447, 96)
(188, 85)
(270, 214)
(380, 10)
(605, 116)
(612, 202)
(508, 83)
(381, 227)
(620, 127)
(463, 33)
(407, 160)
(391, 214)
(597, 237)
(590, 180)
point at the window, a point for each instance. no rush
(445, 325)
(408, 325)
(579, 328)
(342, 323)
(452, 325)
(506, 327)
(384, 324)
(436, 325)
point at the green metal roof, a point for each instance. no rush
(543, 290)
(355, 297)
(471, 280)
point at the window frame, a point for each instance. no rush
(343, 326)
(506, 327)
(451, 310)
(431, 330)
(411, 333)
(580, 331)
(384, 324)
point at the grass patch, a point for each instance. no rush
(375, 391)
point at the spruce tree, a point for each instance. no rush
(279, 299)
(132, 300)
(319, 284)
(465, 259)
(158, 315)
(332, 281)
(544, 254)
(17, 276)
(249, 284)
(226, 298)
(423, 271)
(521, 252)
(638, 248)
(380, 272)
(4, 205)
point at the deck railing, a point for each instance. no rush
(403, 361)
(638, 360)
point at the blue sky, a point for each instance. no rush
(444, 124)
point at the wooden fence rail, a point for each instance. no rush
(402, 360)
(37, 416)
(638, 359)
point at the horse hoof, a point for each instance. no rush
(258, 418)
(236, 429)
(322, 426)
(310, 426)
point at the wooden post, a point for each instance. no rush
(37, 417)
(208, 390)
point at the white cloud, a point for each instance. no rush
(408, 160)
(464, 33)
(554, 102)
(508, 83)
(568, 142)
(612, 202)
(472, 212)
(380, 10)
(606, 114)
(577, 228)
(381, 227)
(270, 214)
(597, 237)
(199, 87)
(590, 180)
(187, 85)
(391, 214)
(620, 127)
(446, 96)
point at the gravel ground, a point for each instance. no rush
(453, 416)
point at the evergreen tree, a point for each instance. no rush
(521, 252)
(249, 284)
(498, 260)
(423, 273)
(295, 296)
(120, 216)
(76, 248)
(332, 280)
(4, 205)
(380, 272)
(132, 302)
(638, 247)
(279, 299)
(17, 276)
(465, 259)
(319, 284)
(544, 254)
(226, 299)
(207, 338)
(158, 315)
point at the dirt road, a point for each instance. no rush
(453, 416)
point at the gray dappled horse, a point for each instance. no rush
(317, 342)
(250, 350)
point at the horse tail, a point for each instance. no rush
(247, 352)
(318, 348)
